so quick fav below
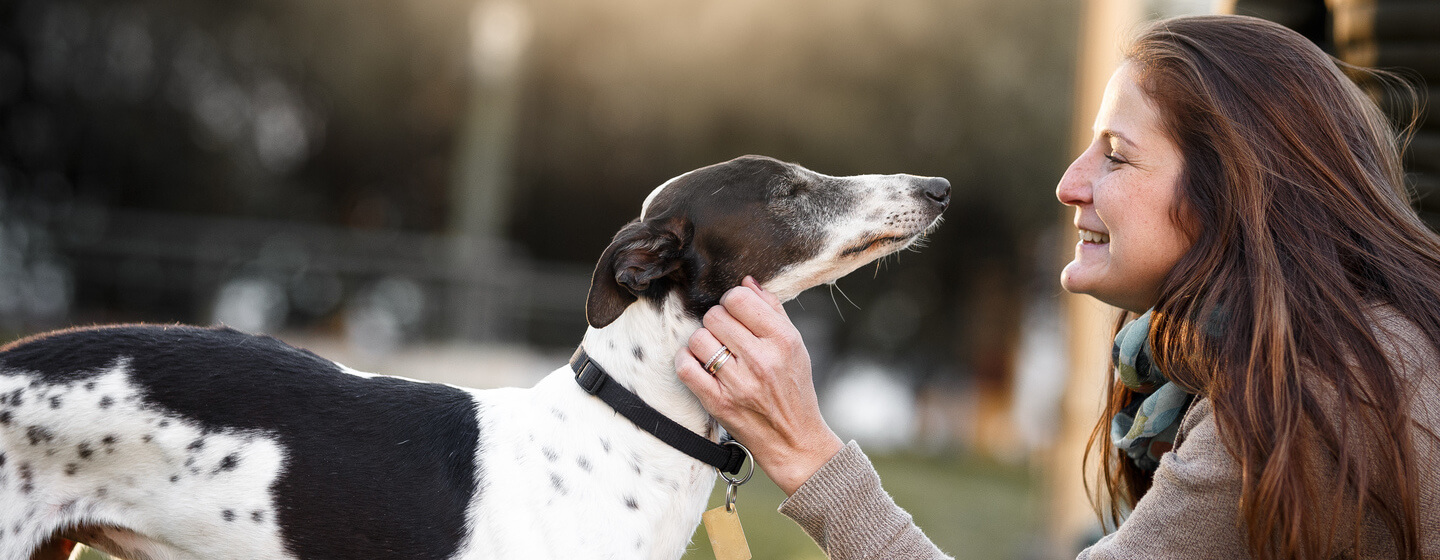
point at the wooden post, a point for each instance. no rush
(1087, 321)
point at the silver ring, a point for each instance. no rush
(721, 356)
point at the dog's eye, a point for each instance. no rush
(796, 187)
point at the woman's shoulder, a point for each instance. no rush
(1414, 357)
(1400, 337)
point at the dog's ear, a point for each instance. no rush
(641, 253)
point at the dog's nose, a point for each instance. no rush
(936, 189)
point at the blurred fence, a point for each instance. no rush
(380, 288)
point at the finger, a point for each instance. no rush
(769, 298)
(705, 386)
(703, 346)
(729, 331)
(758, 316)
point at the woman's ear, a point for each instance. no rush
(640, 254)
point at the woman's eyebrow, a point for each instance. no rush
(1112, 133)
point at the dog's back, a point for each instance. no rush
(235, 444)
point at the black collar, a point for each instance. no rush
(593, 379)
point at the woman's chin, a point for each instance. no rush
(1075, 278)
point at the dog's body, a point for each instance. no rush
(181, 442)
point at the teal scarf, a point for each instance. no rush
(1145, 429)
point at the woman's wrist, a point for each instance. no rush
(789, 469)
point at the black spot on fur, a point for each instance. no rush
(55, 401)
(639, 354)
(196, 445)
(71, 469)
(164, 423)
(147, 438)
(26, 478)
(2, 459)
(257, 516)
(106, 401)
(229, 463)
(558, 483)
(84, 450)
(37, 434)
(550, 454)
(174, 478)
(631, 503)
(5, 417)
(90, 386)
(190, 462)
(231, 383)
(109, 439)
(557, 414)
(228, 515)
(584, 463)
(605, 444)
(102, 491)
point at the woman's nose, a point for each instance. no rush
(1074, 187)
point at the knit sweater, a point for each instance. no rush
(1190, 511)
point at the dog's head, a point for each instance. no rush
(700, 233)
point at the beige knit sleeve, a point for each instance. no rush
(1192, 508)
(843, 507)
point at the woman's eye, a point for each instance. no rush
(1114, 158)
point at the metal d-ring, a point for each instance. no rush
(734, 483)
(750, 460)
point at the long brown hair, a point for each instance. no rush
(1294, 188)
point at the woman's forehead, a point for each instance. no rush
(1126, 113)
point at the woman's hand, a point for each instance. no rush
(764, 394)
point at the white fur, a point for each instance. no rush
(120, 480)
(554, 431)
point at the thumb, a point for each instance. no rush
(749, 282)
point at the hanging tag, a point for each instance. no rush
(722, 524)
(727, 538)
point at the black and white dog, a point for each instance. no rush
(171, 442)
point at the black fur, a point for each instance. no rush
(334, 500)
(709, 229)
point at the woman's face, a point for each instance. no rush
(1124, 189)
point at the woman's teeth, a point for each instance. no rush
(1093, 236)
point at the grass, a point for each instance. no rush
(969, 507)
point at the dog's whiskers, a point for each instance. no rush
(835, 287)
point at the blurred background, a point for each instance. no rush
(421, 188)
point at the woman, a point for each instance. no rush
(1246, 200)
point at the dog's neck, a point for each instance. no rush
(638, 350)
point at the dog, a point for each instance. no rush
(177, 442)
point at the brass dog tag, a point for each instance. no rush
(727, 538)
